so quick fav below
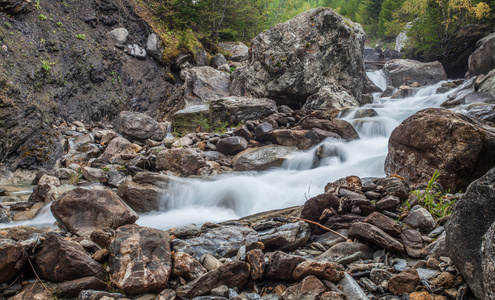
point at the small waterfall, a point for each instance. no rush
(303, 175)
(378, 79)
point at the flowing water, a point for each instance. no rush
(234, 195)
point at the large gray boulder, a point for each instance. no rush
(482, 60)
(136, 126)
(438, 139)
(406, 71)
(81, 211)
(474, 214)
(294, 60)
(238, 51)
(331, 96)
(488, 262)
(235, 110)
(205, 84)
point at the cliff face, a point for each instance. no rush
(58, 63)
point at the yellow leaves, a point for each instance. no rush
(415, 7)
(481, 10)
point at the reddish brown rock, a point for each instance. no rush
(187, 162)
(62, 260)
(384, 223)
(405, 282)
(256, 260)
(389, 203)
(140, 259)
(280, 265)
(12, 259)
(375, 235)
(314, 207)
(323, 270)
(185, 266)
(82, 211)
(233, 274)
(438, 139)
(70, 289)
(308, 289)
(445, 279)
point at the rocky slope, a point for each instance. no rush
(59, 64)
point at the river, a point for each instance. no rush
(234, 195)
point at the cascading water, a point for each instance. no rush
(234, 195)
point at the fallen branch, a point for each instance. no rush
(324, 227)
(36, 274)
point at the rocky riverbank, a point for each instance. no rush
(423, 231)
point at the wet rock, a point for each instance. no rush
(205, 84)
(302, 139)
(185, 266)
(70, 289)
(285, 71)
(231, 145)
(135, 126)
(223, 241)
(405, 71)
(115, 178)
(314, 207)
(141, 197)
(236, 110)
(323, 270)
(12, 259)
(374, 235)
(482, 60)
(184, 161)
(286, 237)
(238, 51)
(488, 262)
(81, 211)
(351, 288)
(280, 265)
(308, 289)
(261, 158)
(233, 274)
(63, 260)
(405, 282)
(472, 217)
(140, 259)
(210, 262)
(120, 35)
(384, 223)
(417, 149)
(421, 219)
(341, 127)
